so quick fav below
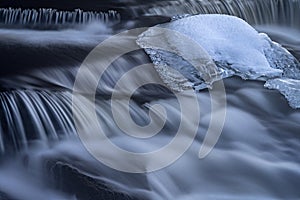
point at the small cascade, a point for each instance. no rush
(29, 115)
(45, 17)
(41, 157)
(253, 11)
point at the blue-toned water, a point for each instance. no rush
(42, 157)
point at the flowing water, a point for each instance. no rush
(41, 156)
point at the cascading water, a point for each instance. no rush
(52, 17)
(47, 112)
(41, 156)
(253, 11)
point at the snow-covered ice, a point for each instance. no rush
(234, 46)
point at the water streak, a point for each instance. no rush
(45, 17)
(253, 11)
(28, 115)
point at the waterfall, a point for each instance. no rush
(51, 17)
(42, 156)
(48, 114)
(28, 115)
(253, 11)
